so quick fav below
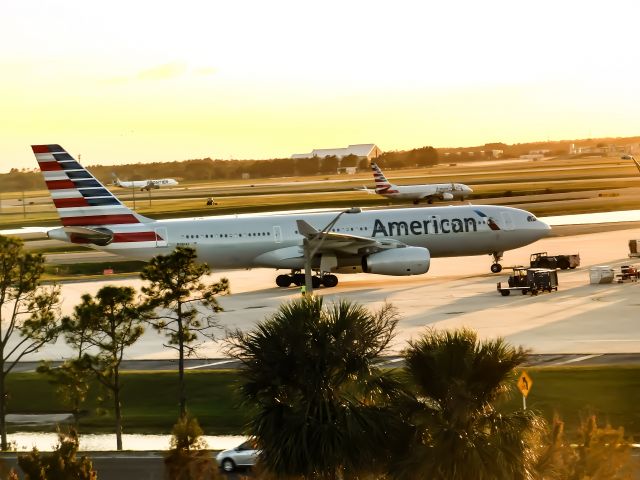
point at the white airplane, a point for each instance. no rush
(429, 191)
(144, 184)
(386, 242)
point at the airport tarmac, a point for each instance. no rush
(579, 319)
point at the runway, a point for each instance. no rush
(580, 319)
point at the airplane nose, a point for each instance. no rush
(544, 228)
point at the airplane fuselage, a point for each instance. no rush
(153, 183)
(248, 241)
(417, 192)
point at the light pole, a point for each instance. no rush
(627, 156)
(310, 250)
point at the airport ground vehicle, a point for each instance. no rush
(530, 280)
(542, 260)
(244, 455)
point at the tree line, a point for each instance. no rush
(207, 169)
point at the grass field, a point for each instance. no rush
(150, 399)
(494, 181)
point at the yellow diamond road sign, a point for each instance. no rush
(525, 383)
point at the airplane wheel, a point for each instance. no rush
(283, 280)
(298, 279)
(315, 282)
(330, 281)
(496, 268)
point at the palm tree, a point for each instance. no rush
(321, 403)
(456, 431)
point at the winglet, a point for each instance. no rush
(305, 229)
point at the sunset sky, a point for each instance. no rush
(139, 81)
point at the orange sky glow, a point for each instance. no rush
(123, 82)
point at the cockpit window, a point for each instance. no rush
(531, 218)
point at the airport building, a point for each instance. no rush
(362, 150)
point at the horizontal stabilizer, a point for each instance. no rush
(97, 236)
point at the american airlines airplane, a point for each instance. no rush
(385, 242)
(429, 191)
(144, 184)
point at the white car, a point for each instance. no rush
(243, 456)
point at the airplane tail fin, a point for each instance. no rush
(382, 184)
(81, 200)
(114, 179)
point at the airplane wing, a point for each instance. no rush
(365, 189)
(344, 243)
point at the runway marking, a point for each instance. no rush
(579, 359)
(610, 340)
(222, 362)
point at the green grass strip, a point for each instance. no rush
(150, 399)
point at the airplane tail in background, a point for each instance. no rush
(81, 200)
(382, 184)
(115, 180)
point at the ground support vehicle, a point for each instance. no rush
(634, 248)
(530, 280)
(628, 272)
(542, 260)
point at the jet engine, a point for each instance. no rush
(398, 261)
(447, 196)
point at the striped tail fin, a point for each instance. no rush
(81, 200)
(382, 184)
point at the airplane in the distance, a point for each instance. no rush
(428, 192)
(144, 184)
(386, 242)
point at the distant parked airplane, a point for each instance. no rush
(144, 184)
(428, 192)
(386, 242)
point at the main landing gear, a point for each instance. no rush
(496, 267)
(328, 280)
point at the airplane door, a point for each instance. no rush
(507, 221)
(277, 234)
(161, 237)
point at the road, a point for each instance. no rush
(125, 465)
